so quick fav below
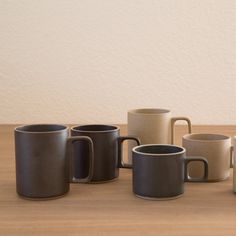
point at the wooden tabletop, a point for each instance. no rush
(112, 209)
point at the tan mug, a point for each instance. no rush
(152, 125)
(216, 148)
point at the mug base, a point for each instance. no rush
(159, 198)
(216, 180)
(102, 181)
(94, 182)
(42, 198)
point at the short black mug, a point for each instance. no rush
(159, 171)
(42, 154)
(107, 144)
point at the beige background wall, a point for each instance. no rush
(89, 61)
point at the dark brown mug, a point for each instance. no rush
(107, 144)
(159, 171)
(42, 160)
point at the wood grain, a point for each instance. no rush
(112, 209)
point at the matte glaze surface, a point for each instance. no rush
(158, 177)
(152, 125)
(215, 148)
(159, 171)
(106, 144)
(41, 164)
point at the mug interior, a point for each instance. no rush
(205, 137)
(149, 111)
(158, 149)
(95, 128)
(41, 128)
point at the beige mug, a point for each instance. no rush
(152, 125)
(216, 148)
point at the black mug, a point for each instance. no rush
(159, 171)
(107, 144)
(42, 154)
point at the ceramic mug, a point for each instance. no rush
(152, 125)
(107, 144)
(159, 171)
(233, 165)
(216, 148)
(42, 160)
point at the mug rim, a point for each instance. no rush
(158, 154)
(221, 137)
(149, 111)
(116, 128)
(19, 129)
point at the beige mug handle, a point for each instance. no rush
(173, 120)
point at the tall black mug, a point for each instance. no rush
(43, 156)
(107, 144)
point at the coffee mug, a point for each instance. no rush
(107, 144)
(152, 125)
(42, 160)
(216, 148)
(159, 171)
(234, 164)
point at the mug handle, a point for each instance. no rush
(173, 120)
(231, 157)
(188, 178)
(70, 143)
(121, 139)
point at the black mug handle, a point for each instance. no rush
(231, 156)
(70, 142)
(188, 178)
(121, 139)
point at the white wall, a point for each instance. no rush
(88, 61)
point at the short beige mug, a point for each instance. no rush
(216, 148)
(152, 125)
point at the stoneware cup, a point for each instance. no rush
(159, 171)
(152, 125)
(233, 164)
(216, 148)
(42, 154)
(107, 144)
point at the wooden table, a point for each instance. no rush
(112, 209)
